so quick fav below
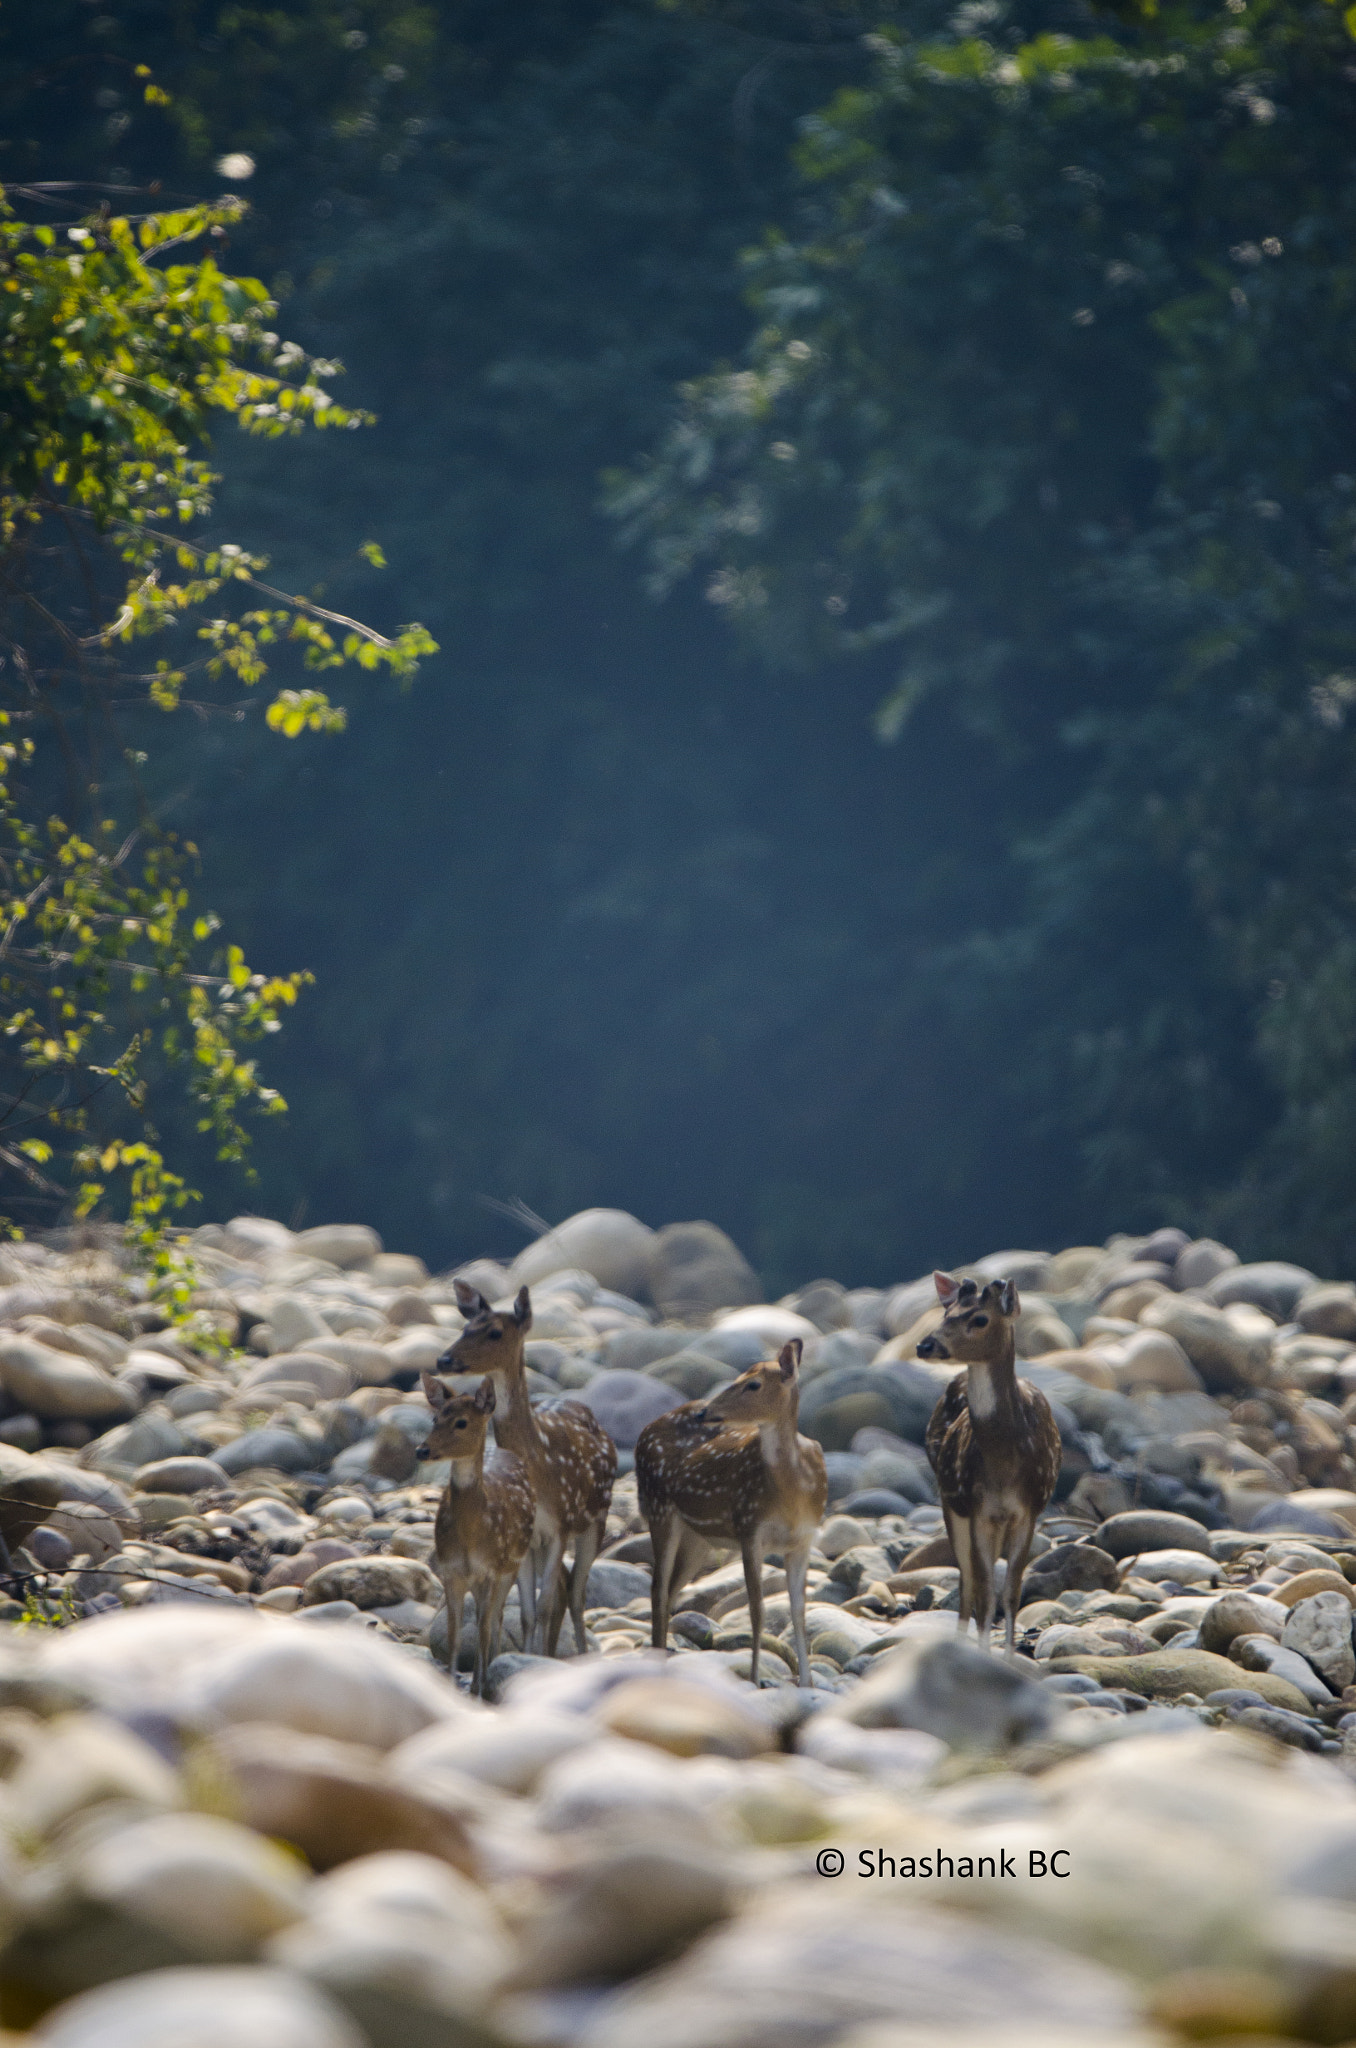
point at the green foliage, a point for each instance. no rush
(118, 363)
(1054, 396)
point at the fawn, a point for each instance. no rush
(733, 1470)
(485, 1517)
(569, 1458)
(993, 1444)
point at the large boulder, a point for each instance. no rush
(1167, 1674)
(951, 1689)
(372, 1582)
(608, 1243)
(59, 1385)
(623, 1402)
(1228, 1359)
(1200, 1262)
(30, 1488)
(1329, 1310)
(1271, 1285)
(346, 1245)
(695, 1269)
(240, 2006)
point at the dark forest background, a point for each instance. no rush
(881, 479)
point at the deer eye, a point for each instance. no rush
(460, 1422)
(495, 1332)
(978, 1322)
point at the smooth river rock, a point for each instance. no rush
(1167, 1674)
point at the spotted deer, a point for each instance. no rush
(569, 1458)
(485, 1517)
(993, 1444)
(734, 1470)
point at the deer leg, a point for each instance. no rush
(753, 1580)
(958, 1529)
(527, 1594)
(455, 1589)
(1019, 1550)
(587, 1544)
(983, 1551)
(484, 1594)
(549, 1590)
(797, 1562)
(499, 1593)
(665, 1536)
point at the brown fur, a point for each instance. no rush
(570, 1460)
(993, 1444)
(485, 1517)
(734, 1470)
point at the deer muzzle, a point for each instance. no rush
(932, 1347)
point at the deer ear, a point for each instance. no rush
(1008, 1300)
(483, 1397)
(948, 1288)
(789, 1357)
(435, 1393)
(470, 1300)
(522, 1309)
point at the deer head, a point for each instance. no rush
(459, 1420)
(977, 1325)
(762, 1394)
(493, 1338)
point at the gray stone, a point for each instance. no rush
(884, 1500)
(153, 1435)
(637, 1349)
(1141, 1529)
(904, 1305)
(507, 1666)
(1271, 1285)
(613, 1584)
(294, 1323)
(331, 1380)
(738, 1349)
(1165, 1247)
(695, 1269)
(1026, 1269)
(1229, 1360)
(624, 1402)
(272, 1445)
(58, 1385)
(845, 1473)
(181, 1475)
(241, 2006)
(372, 1582)
(1320, 1629)
(1329, 1311)
(902, 1474)
(952, 1689)
(1200, 1262)
(1070, 1568)
(1241, 1614)
(806, 1967)
(347, 1245)
(823, 1303)
(692, 1374)
(611, 1245)
(1282, 1516)
(1263, 1653)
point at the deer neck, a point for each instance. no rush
(515, 1426)
(991, 1386)
(779, 1442)
(464, 1474)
